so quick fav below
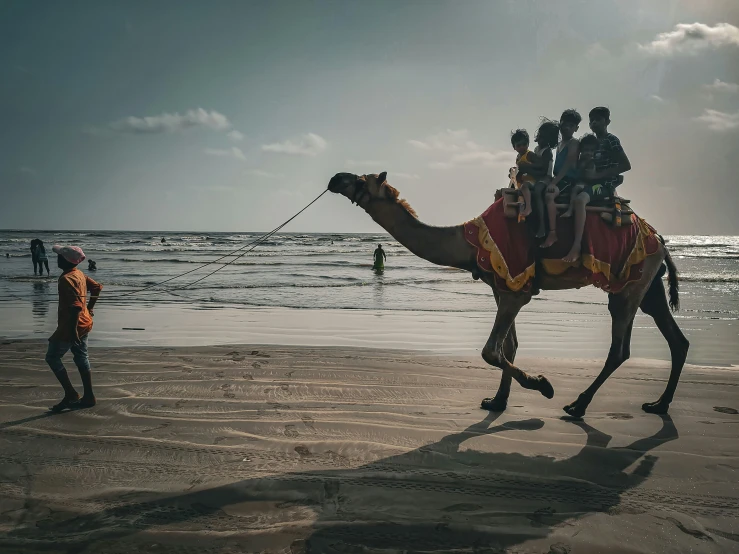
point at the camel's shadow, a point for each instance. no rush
(435, 497)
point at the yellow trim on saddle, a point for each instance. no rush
(594, 265)
(497, 261)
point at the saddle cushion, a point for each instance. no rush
(611, 256)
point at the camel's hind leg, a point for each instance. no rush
(500, 402)
(622, 308)
(655, 304)
(509, 304)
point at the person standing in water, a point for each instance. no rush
(34, 255)
(74, 325)
(380, 258)
(41, 259)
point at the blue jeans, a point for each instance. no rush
(58, 348)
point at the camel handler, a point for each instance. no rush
(73, 327)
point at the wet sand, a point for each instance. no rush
(342, 450)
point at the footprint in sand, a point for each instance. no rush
(285, 388)
(220, 374)
(308, 422)
(462, 508)
(559, 548)
(158, 427)
(725, 410)
(620, 416)
(247, 376)
(697, 533)
(226, 393)
(179, 403)
(539, 517)
(302, 450)
(259, 354)
(290, 431)
(256, 365)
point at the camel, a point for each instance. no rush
(447, 246)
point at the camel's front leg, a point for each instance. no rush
(500, 402)
(509, 304)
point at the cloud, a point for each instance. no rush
(236, 135)
(460, 150)
(232, 152)
(691, 38)
(25, 170)
(265, 174)
(308, 144)
(405, 175)
(212, 188)
(446, 141)
(720, 86)
(657, 98)
(171, 122)
(374, 164)
(719, 121)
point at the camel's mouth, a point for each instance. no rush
(341, 181)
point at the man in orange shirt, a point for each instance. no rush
(74, 324)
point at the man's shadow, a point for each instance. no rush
(437, 497)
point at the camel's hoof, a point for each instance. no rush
(577, 408)
(545, 387)
(494, 405)
(658, 407)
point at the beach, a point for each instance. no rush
(254, 448)
(295, 401)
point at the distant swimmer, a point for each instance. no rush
(7, 255)
(379, 257)
(92, 266)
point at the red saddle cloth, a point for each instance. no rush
(611, 256)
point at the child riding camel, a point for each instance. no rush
(565, 170)
(609, 161)
(535, 168)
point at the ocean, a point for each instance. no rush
(333, 272)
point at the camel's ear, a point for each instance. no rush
(382, 177)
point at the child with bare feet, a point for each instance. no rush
(610, 162)
(546, 138)
(75, 323)
(565, 170)
(585, 169)
(535, 168)
(520, 143)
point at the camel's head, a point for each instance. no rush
(366, 189)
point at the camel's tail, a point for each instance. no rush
(672, 280)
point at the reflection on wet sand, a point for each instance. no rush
(40, 301)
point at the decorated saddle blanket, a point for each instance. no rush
(611, 256)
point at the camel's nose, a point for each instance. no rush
(340, 181)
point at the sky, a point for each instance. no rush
(231, 116)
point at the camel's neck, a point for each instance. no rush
(439, 245)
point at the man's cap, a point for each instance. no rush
(73, 254)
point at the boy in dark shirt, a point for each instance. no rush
(610, 162)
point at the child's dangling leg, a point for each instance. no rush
(577, 189)
(538, 207)
(552, 214)
(525, 210)
(581, 201)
